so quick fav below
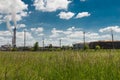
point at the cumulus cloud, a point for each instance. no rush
(9, 7)
(68, 36)
(12, 5)
(38, 32)
(39, 29)
(109, 28)
(30, 40)
(83, 14)
(51, 5)
(71, 32)
(6, 37)
(75, 35)
(55, 33)
(66, 15)
(21, 26)
(5, 33)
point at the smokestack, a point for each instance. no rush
(14, 38)
(112, 38)
(14, 30)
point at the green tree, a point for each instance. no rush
(86, 47)
(97, 47)
(50, 47)
(36, 46)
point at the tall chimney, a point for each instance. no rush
(14, 38)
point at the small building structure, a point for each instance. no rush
(5, 47)
(77, 46)
(105, 44)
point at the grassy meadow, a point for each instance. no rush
(60, 65)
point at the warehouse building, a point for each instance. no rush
(102, 44)
(79, 45)
(105, 44)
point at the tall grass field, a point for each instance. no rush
(60, 65)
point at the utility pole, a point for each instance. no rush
(84, 39)
(60, 43)
(24, 39)
(43, 43)
(112, 38)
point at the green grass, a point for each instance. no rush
(61, 65)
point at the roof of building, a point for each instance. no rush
(106, 41)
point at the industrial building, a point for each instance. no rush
(102, 44)
(105, 44)
(79, 45)
(5, 47)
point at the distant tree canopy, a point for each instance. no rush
(97, 47)
(36, 46)
(50, 45)
(86, 46)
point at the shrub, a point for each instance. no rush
(14, 49)
(97, 47)
(86, 47)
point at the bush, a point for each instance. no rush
(14, 49)
(97, 47)
(86, 47)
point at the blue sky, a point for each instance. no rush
(60, 19)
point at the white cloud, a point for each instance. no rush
(71, 28)
(21, 26)
(71, 32)
(75, 35)
(82, 0)
(8, 7)
(20, 35)
(5, 33)
(6, 37)
(54, 31)
(66, 15)
(30, 40)
(41, 34)
(38, 30)
(69, 36)
(83, 14)
(109, 28)
(51, 5)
